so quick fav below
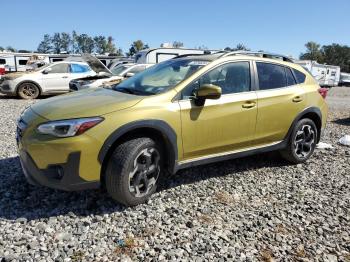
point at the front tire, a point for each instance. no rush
(302, 142)
(28, 91)
(133, 171)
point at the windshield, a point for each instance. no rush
(41, 68)
(119, 69)
(161, 77)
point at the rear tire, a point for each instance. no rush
(133, 171)
(302, 142)
(28, 91)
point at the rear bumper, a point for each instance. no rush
(63, 176)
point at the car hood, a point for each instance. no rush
(96, 65)
(11, 76)
(86, 103)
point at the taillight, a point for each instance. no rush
(2, 71)
(323, 91)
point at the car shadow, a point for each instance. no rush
(18, 199)
(342, 121)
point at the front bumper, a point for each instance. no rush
(63, 176)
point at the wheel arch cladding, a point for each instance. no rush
(155, 129)
(31, 82)
(312, 113)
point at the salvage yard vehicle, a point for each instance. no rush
(104, 76)
(50, 79)
(157, 55)
(344, 79)
(325, 75)
(183, 112)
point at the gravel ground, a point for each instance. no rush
(252, 209)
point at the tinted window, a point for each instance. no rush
(271, 76)
(2, 62)
(59, 68)
(232, 78)
(76, 68)
(289, 77)
(300, 77)
(22, 62)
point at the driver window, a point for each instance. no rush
(231, 77)
(59, 69)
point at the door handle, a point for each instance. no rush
(64, 76)
(248, 104)
(297, 99)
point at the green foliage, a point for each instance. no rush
(238, 47)
(313, 52)
(333, 54)
(11, 49)
(137, 46)
(178, 44)
(1, 48)
(77, 43)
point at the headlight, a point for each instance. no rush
(68, 128)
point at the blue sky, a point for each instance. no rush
(275, 26)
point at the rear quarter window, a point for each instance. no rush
(299, 76)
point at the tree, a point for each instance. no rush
(24, 51)
(100, 44)
(56, 43)
(110, 45)
(313, 52)
(336, 54)
(242, 47)
(65, 42)
(45, 45)
(11, 49)
(239, 47)
(177, 44)
(74, 42)
(1, 48)
(137, 46)
(85, 44)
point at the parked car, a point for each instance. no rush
(108, 77)
(344, 79)
(50, 79)
(118, 61)
(179, 113)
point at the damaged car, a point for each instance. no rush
(105, 77)
(50, 79)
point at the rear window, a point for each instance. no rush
(300, 77)
(2, 61)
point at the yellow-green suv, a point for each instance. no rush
(183, 112)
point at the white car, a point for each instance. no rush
(49, 79)
(105, 77)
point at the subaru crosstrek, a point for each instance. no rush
(183, 112)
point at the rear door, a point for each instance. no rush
(280, 100)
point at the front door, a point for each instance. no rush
(222, 125)
(56, 78)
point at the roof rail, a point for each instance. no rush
(259, 54)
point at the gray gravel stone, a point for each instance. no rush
(256, 208)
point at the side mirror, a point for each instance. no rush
(129, 75)
(208, 91)
(47, 70)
